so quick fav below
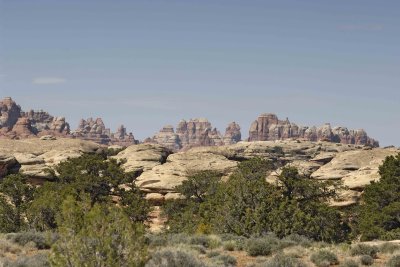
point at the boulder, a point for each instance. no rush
(355, 168)
(33, 156)
(163, 178)
(142, 157)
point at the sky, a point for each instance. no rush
(149, 63)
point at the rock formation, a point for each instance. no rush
(232, 134)
(9, 113)
(17, 124)
(95, 130)
(43, 123)
(193, 133)
(269, 127)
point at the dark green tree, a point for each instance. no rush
(93, 175)
(16, 196)
(193, 214)
(379, 212)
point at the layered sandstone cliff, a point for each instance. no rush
(194, 133)
(268, 127)
(94, 130)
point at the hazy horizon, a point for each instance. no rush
(146, 64)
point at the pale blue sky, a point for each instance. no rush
(150, 63)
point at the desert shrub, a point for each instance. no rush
(180, 238)
(349, 263)
(363, 249)
(394, 261)
(36, 260)
(389, 247)
(366, 260)
(156, 240)
(213, 254)
(199, 248)
(7, 247)
(174, 257)
(229, 245)
(324, 258)
(206, 241)
(42, 240)
(102, 234)
(295, 239)
(284, 261)
(226, 260)
(260, 247)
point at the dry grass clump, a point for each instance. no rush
(324, 258)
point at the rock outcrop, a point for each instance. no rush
(94, 130)
(269, 127)
(157, 170)
(194, 133)
(33, 156)
(42, 123)
(143, 157)
(9, 113)
(232, 134)
(354, 165)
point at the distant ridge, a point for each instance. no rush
(17, 124)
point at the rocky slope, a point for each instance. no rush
(159, 170)
(269, 127)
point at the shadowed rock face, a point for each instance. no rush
(269, 127)
(194, 133)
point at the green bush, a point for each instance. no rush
(394, 261)
(324, 258)
(226, 260)
(349, 263)
(174, 257)
(363, 249)
(260, 247)
(366, 260)
(37, 260)
(284, 261)
(389, 247)
(42, 240)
